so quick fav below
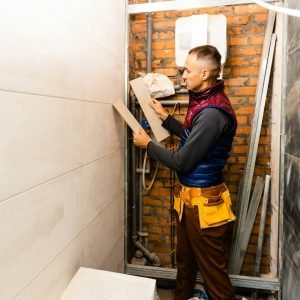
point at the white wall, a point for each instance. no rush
(61, 149)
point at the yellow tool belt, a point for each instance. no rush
(214, 204)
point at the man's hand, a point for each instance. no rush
(158, 108)
(141, 139)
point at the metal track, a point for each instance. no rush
(182, 5)
(261, 283)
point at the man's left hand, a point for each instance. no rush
(141, 139)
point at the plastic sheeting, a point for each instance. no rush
(291, 207)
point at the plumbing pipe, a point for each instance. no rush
(140, 184)
(152, 257)
(134, 196)
(279, 9)
(147, 188)
(173, 102)
(149, 41)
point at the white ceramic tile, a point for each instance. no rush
(104, 22)
(92, 18)
(114, 261)
(68, 11)
(103, 131)
(103, 181)
(39, 53)
(103, 73)
(102, 235)
(34, 227)
(52, 281)
(41, 138)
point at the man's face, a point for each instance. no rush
(195, 73)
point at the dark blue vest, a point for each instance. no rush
(210, 171)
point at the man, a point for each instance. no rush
(206, 139)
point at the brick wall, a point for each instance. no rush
(245, 31)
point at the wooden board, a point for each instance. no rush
(126, 115)
(141, 91)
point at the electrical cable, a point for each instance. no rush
(147, 188)
(279, 9)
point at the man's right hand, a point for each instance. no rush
(158, 108)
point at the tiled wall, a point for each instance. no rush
(61, 149)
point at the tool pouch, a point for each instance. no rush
(214, 210)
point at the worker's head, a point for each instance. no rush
(202, 67)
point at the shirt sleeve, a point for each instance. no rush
(207, 129)
(173, 125)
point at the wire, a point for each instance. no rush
(147, 188)
(279, 9)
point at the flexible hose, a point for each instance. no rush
(147, 188)
(279, 9)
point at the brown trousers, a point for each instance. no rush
(201, 249)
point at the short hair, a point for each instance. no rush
(210, 53)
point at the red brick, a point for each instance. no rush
(259, 9)
(260, 18)
(242, 159)
(237, 100)
(257, 40)
(140, 36)
(163, 53)
(158, 25)
(242, 120)
(254, 29)
(246, 50)
(170, 44)
(238, 40)
(140, 26)
(158, 45)
(158, 15)
(139, 17)
(150, 220)
(235, 30)
(238, 61)
(166, 71)
(170, 14)
(243, 9)
(253, 81)
(236, 81)
(240, 149)
(155, 229)
(245, 71)
(245, 110)
(166, 35)
(240, 20)
(139, 46)
(243, 130)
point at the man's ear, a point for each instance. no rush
(205, 74)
